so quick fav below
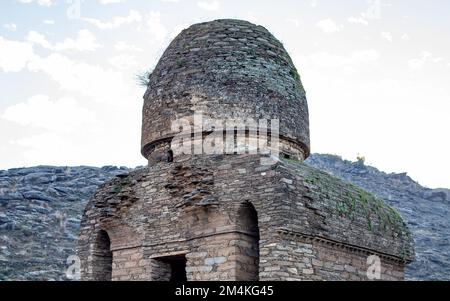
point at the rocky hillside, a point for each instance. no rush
(41, 207)
(426, 211)
(40, 212)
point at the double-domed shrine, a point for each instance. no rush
(250, 209)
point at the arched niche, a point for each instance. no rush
(248, 259)
(102, 257)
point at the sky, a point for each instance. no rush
(376, 74)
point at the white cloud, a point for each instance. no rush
(418, 63)
(123, 62)
(14, 56)
(209, 5)
(405, 37)
(48, 148)
(10, 27)
(328, 60)
(156, 28)
(94, 146)
(171, 1)
(387, 36)
(358, 20)
(60, 131)
(85, 41)
(40, 2)
(105, 2)
(328, 26)
(133, 16)
(99, 84)
(125, 46)
(49, 22)
(293, 21)
(96, 82)
(39, 39)
(39, 111)
(372, 13)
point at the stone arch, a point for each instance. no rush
(248, 258)
(102, 257)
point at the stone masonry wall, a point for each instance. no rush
(227, 69)
(129, 264)
(195, 208)
(228, 216)
(297, 260)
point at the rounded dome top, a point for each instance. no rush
(227, 69)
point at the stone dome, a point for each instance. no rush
(227, 69)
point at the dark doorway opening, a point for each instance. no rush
(102, 257)
(178, 268)
(248, 222)
(170, 156)
(170, 268)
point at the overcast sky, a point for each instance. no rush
(377, 76)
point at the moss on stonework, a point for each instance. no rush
(117, 188)
(293, 71)
(386, 215)
(352, 200)
(294, 74)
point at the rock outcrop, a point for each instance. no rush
(40, 212)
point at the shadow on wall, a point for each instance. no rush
(248, 260)
(102, 257)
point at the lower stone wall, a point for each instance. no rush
(334, 264)
(235, 256)
(280, 259)
(213, 212)
(297, 260)
(223, 257)
(129, 264)
(212, 258)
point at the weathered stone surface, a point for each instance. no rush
(154, 224)
(252, 222)
(231, 80)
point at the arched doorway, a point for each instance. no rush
(102, 257)
(248, 261)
